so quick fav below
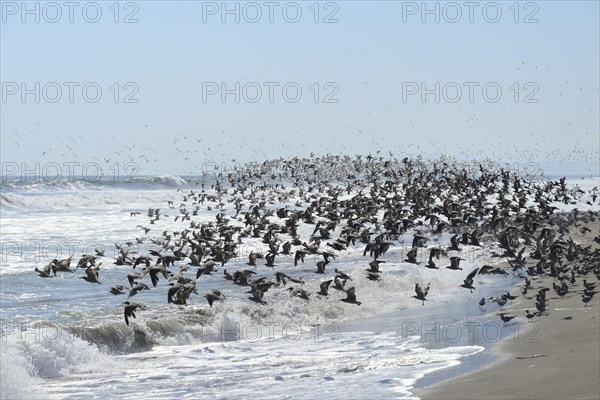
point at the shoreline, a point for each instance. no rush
(409, 346)
(555, 356)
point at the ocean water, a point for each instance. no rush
(63, 337)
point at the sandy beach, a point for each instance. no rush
(555, 356)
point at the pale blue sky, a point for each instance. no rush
(369, 55)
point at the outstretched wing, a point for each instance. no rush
(426, 290)
(325, 285)
(472, 274)
(126, 316)
(418, 290)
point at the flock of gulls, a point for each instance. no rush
(367, 201)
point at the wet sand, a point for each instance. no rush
(556, 356)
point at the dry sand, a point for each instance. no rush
(567, 341)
